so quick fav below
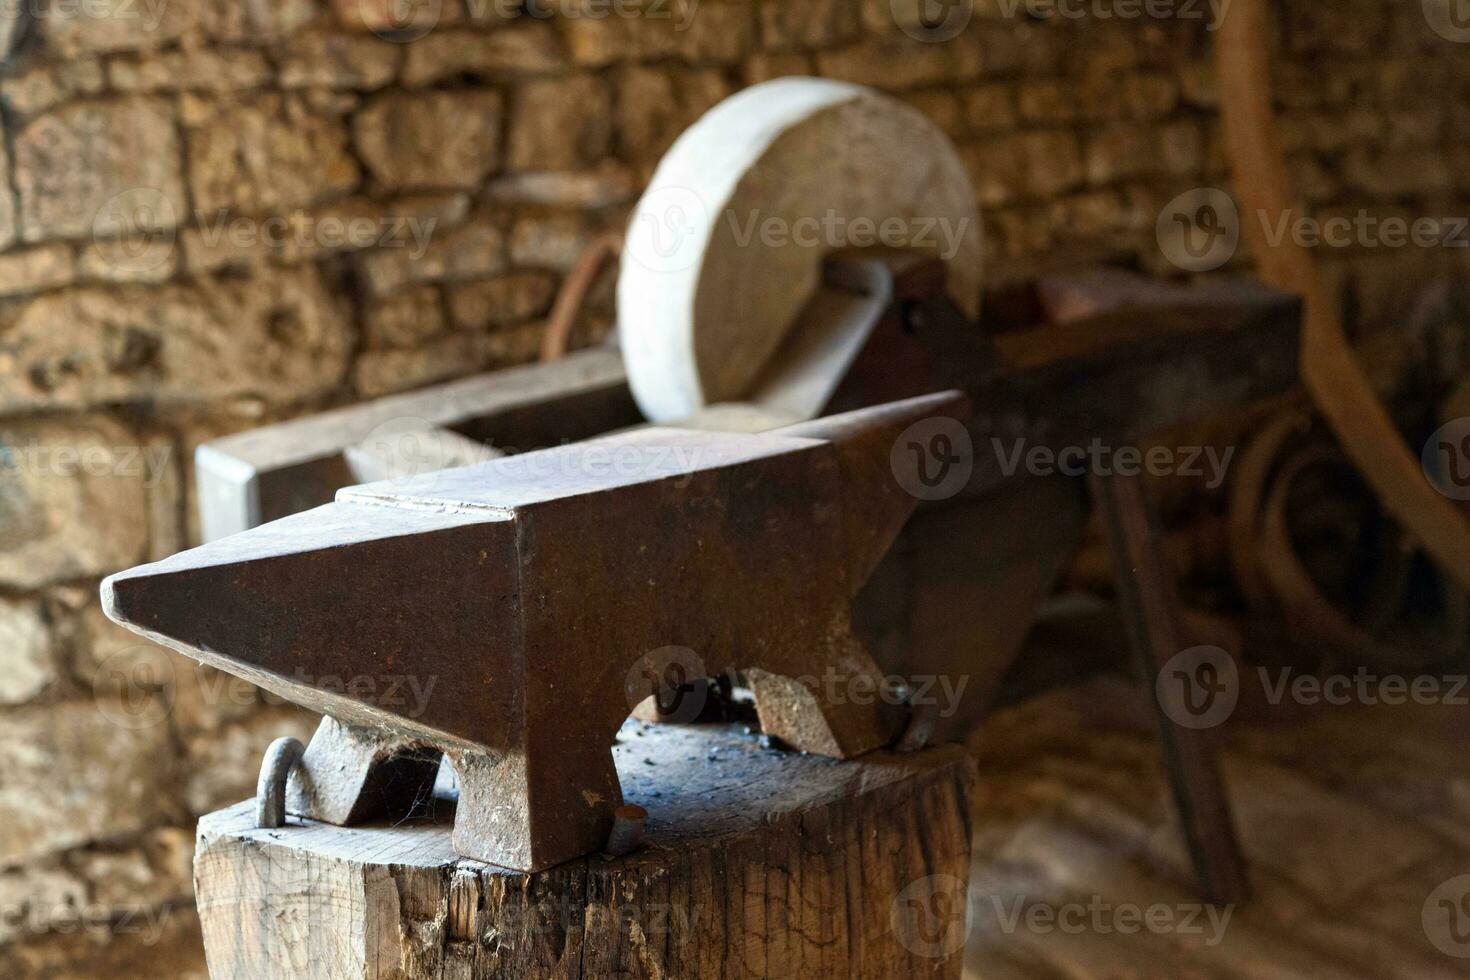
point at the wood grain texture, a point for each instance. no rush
(756, 863)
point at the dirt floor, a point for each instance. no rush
(1355, 821)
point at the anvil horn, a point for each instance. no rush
(527, 594)
(307, 604)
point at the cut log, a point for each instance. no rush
(755, 863)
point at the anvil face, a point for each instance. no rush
(521, 591)
(463, 580)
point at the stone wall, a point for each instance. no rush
(217, 214)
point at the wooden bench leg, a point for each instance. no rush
(1150, 608)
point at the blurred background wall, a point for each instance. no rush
(218, 214)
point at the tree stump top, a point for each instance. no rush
(755, 863)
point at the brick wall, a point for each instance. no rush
(217, 214)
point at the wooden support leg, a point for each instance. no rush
(1150, 608)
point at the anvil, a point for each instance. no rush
(533, 592)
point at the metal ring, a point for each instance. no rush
(270, 788)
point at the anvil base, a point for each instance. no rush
(748, 864)
(350, 775)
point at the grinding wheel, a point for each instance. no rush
(726, 245)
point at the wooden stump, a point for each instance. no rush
(756, 863)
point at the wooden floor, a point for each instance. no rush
(1355, 821)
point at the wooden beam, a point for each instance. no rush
(278, 470)
(1150, 606)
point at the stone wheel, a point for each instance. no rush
(726, 245)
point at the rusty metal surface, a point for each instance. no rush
(270, 787)
(525, 592)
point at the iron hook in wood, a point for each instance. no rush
(270, 788)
